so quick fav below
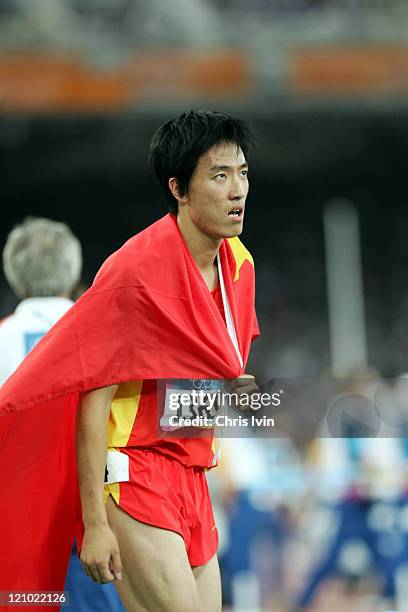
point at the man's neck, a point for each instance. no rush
(204, 249)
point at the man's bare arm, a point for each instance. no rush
(100, 551)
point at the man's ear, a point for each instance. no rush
(175, 190)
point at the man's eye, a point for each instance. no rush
(244, 172)
(222, 174)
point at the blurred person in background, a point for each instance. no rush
(255, 524)
(42, 262)
(360, 480)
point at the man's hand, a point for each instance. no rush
(244, 386)
(100, 555)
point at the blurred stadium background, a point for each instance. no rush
(83, 85)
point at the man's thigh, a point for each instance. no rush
(208, 582)
(158, 575)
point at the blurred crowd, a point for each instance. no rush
(121, 6)
(190, 22)
(321, 523)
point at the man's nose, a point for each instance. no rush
(237, 190)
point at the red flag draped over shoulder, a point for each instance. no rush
(148, 315)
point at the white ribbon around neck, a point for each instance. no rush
(228, 314)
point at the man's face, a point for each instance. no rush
(216, 196)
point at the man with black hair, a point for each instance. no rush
(175, 302)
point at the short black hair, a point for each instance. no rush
(179, 143)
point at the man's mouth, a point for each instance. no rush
(237, 212)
